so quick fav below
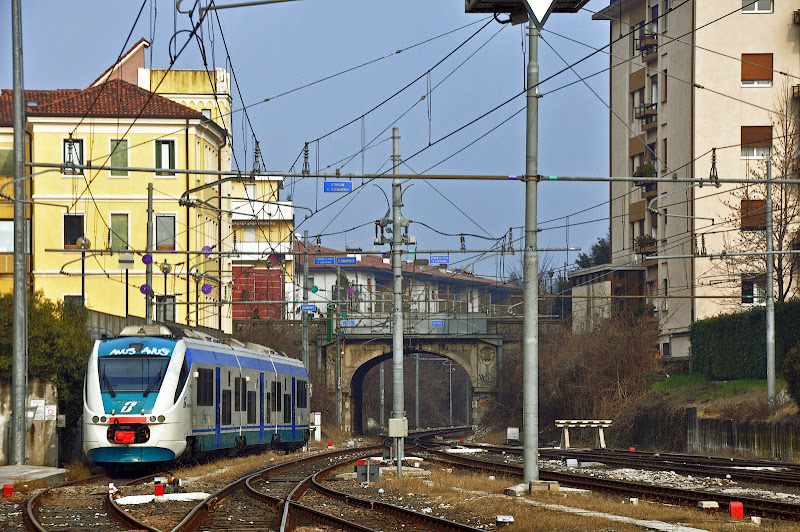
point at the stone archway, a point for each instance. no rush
(480, 357)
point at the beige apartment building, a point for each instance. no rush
(697, 90)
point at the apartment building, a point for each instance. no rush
(700, 90)
(88, 228)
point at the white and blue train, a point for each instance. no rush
(157, 393)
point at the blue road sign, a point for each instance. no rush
(338, 186)
(437, 323)
(343, 261)
(323, 261)
(440, 259)
(348, 323)
(308, 308)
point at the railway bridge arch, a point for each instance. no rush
(480, 356)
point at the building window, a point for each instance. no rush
(119, 156)
(165, 309)
(663, 19)
(205, 387)
(206, 113)
(654, 19)
(757, 6)
(665, 84)
(756, 142)
(165, 157)
(6, 236)
(73, 230)
(664, 154)
(756, 70)
(665, 352)
(73, 155)
(165, 232)
(654, 88)
(118, 234)
(73, 302)
(666, 295)
(753, 213)
(754, 289)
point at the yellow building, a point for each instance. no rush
(119, 124)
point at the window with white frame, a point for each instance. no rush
(754, 289)
(73, 156)
(73, 230)
(118, 234)
(165, 232)
(119, 156)
(756, 70)
(757, 6)
(756, 142)
(165, 157)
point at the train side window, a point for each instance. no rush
(205, 387)
(226, 407)
(276, 396)
(302, 394)
(184, 374)
(268, 413)
(238, 392)
(287, 408)
(251, 407)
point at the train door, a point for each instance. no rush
(261, 408)
(217, 409)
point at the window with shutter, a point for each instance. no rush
(119, 156)
(757, 70)
(756, 142)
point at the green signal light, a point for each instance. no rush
(314, 289)
(344, 314)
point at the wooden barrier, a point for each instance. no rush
(599, 424)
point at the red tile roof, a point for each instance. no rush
(115, 99)
(375, 262)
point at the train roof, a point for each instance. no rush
(171, 331)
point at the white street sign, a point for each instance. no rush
(539, 10)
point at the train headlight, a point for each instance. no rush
(95, 419)
(152, 419)
(102, 419)
(161, 419)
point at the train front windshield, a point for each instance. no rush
(131, 374)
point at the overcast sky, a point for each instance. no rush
(280, 47)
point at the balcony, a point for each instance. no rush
(647, 45)
(645, 245)
(644, 110)
(260, 211)
(649, 190)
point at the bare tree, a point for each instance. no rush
(749, 205)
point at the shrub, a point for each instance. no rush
(791, 372)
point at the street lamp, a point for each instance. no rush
(83, 243)
(196, 275)
(165, 268)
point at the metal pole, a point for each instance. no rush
(127, 292)
(338, 369)
(304, 314)
(450, 374)
(383, 396)
(530, 274)
(770, 295)
(148, 311)
(19, 362)
(83, 279)
(416, 388)
(466, 409)
(398, 400)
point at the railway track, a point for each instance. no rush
(769, 472)
(80, 504)
(755, 506)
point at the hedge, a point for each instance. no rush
(733, 346)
